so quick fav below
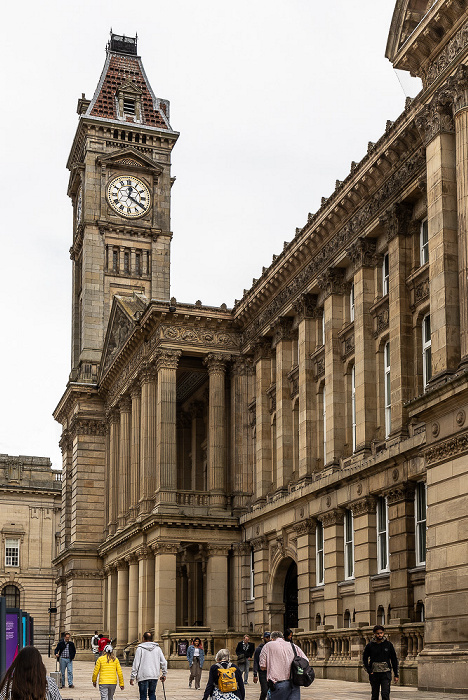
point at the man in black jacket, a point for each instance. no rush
(65, 652)
(379, 659)
(245, 650)
(258, 674)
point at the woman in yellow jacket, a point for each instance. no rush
(108, 668)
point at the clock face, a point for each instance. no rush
(128, 196)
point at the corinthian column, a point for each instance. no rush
(124, 460)
(216, 587)
(263, 446)
(148, 438)
(114, 420)
(165, 561)
(132, 597)
(166, 403)
(282, 341)
(242, 448)
(216, 364)
(135, 451)
(122, 604)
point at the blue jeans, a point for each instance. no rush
(285, 691)
(66, 664)
(148, 688)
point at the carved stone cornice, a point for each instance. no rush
(87, 426)
(457, 86)
(364, 507)
(262, 349)
(167, 359)
(456, 45)
(306, 307)
(446, 450)
(333, 281)
(400, 493)
(436, 117)
(396, 220)
(259, 543)
(333, 517)
(305, 527)
(159, 548)
(216, 362)
(282, 330)
(362, 253)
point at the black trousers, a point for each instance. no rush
(262, 679)
(380, 682)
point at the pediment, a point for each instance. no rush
(130, 157)
(129, 88)
(122, 321)
(406, 17)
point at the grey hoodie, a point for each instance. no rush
(149, 662)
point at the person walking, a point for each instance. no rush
(276, 659)
(379, 659)
(195, 657)
(26, 678)
(245, 650)
(224, 674)
(95, 645)
(109, 671)
(103, 642)
(148, 666)
(65, 652)
(258, 674)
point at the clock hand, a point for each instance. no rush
(138, 203)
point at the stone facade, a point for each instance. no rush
(29, 524)
(299, 459)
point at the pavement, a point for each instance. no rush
(176, 687)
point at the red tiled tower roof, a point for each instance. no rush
(121, 69)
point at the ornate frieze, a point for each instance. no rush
(456, 45)
(198, 336)
(448, 449)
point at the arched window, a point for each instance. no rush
(380, 615)
(12, 596)
(347, 619)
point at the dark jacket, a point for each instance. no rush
(256, 662)
(379, 652)
(61, 646)
(213, 681)
(250, 650)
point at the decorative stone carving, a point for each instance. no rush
(448, 449)
(66, 442)
(306, 527)
(332, 281)
(320, 367)
(348, 346)
(216, 363)
(199, 336)
(282, 330)
(397, 494)
(242, 366)
(436, 117)
(333, 517)
(259, 543)
(449, 53)
(164, 548)
(125, 404)
(147, 373)
(396, 220)
(364, 507)
(121, 329)
(362, 253)
(271, 392)
(167, 359)
(217, 550)
(87, 426)
(306, 307)
(262, 349)
(460, 417)
(458, 87)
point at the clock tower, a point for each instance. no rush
(120, 186)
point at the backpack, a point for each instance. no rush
(227, 682)
(301, 674)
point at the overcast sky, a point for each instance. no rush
(273, 100)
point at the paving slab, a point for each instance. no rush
(176, 687)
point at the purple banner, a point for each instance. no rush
(11, 638)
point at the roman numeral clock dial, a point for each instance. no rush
(128, 196)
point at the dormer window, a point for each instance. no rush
(129, 106)
(128, 99)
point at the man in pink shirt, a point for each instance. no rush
(276, 658)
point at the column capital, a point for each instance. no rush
(396, 220)
(216, 362)
(364, 506)
(167, 359)
(436, 117)
(333, 517)
(147, 373)
(125, 404)
(66, 441)
(241, 366)
(135, 390)
(400, 493)
(262, 349)
(242, 548)
(122, 565)
(142, 552)
(217, 550)
(164, 548)
(131, 558)
(282, 330)
(259, 543)
(457, 87)
(333, 281)
(305, 527)
(362, 253)
(306, 307)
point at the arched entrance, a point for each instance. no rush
(290, 597)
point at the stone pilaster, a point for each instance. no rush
(113, 463)
(165, 566)
(261, 578)
(396, 223)
(160, 260)
(333, 285)
(365, 555)
(216, 587)
(145, 590)
(305, 532)
(123, 485)
(135, 451)
(166, 457)
(442, 228)
(282, 341)
(242, 448)
(364, 259)
(401, 548)
(148, 438)
(333, 546)
(122, 605)
(133, 583)
(197, 437)
(308, 317)
(216, 364)
(240, 573)
(263, 461)
(111, 573)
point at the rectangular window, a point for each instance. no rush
(382, 535)
(351, 303)
(126, 262)
(353, 404)
(426, 348)
(349, 544)
(11, 552)
(424, 243)
(115, 260)
(129, 106)
(420, 506)
(385, 275)
(252, 590)
(138, 264)
(319, 563)
(388, 400)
